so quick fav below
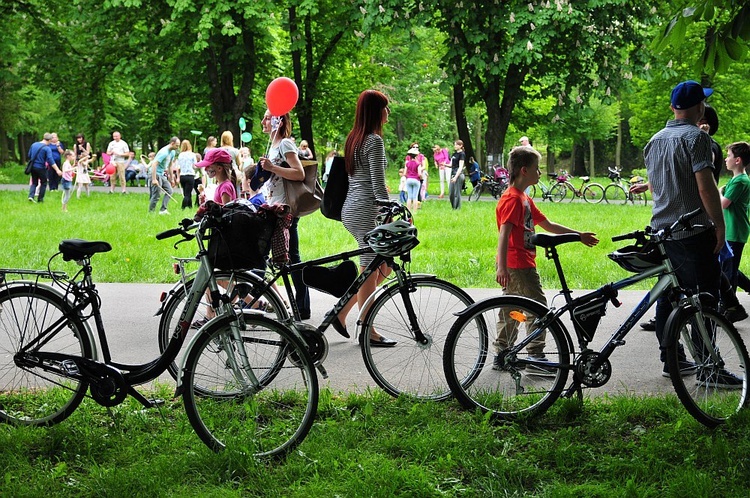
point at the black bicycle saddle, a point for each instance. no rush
(76, 249)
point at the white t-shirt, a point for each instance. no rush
(275, 184)
(118, 149)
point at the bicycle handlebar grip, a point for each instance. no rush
(631, 235)
(688, 216)
(169, 233)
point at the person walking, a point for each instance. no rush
(457, 174)
(40, 156)
(283, 150)
(186, 173)
(161, 173)
(365, 158)
(680, 171)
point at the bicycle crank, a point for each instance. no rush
(593, 370)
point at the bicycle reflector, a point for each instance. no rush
(518, 316)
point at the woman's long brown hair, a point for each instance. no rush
(368, 119)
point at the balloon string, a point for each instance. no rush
(272, 136)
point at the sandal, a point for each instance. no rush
(199, 323)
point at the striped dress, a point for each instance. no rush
(365, 186)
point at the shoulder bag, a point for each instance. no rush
(336, 190)
(30, 164)
(304, 197)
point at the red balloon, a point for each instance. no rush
(110, 169)
(281, 96)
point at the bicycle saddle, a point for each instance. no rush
(553, 240)
(76, 249)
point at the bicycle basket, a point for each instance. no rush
(637, 258)
(241, 239)
(637, 179)
(393, 239)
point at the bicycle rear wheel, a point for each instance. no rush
(615, 194)
(715, 388)
(410, 367)
(38, 392)
(593, 193)
(270, 304)
(476, 193)
(508, 385)
(558, 192)
(264, 407)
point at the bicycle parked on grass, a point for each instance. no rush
(416, 310)
(592, 193)
(489, 185)
(265, 399)
(553, 191)
(618, 192)
(706, 357)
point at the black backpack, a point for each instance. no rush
(336, 189)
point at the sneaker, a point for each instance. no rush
(199, 323)
(540, 370)
(735, 313)
(496, 365)
(164, 212)
(649, 325)
(31, 199)
(721, 379)
(686, 368)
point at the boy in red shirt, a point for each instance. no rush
(516, 216)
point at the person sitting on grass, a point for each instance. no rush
(516, 216)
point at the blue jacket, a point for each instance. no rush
(41, 158)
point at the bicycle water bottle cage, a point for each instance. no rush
(77, 249)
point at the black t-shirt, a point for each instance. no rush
(718, 159)
(456, 159)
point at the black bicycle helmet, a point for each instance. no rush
(393, 239)
(637, 258)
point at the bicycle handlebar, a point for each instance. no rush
(185, 225)
(640, 235)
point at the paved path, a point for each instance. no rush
(128, 311)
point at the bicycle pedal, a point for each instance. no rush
(69, 367)
(156, 402)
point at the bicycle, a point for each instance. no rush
(554, 192)
(415, 309)
(262, 400)
(593, 193)
(700, 342)
(489, 185)
(619, 192)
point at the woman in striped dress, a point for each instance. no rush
(365, 164)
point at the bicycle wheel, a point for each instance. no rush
(31, 394)
(716, 387)
(506, 384)
(264, 407)
(532, 191)
(615, 194)
(593, 193)
(558, 192)
(270, 304)
(410, 367)
(476, 193)
(639, 198)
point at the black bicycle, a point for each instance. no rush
(416, 310)
(706, 357)
(248, 382)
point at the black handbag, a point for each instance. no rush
(30, 164)
(336, 190)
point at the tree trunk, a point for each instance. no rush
(461, 124)
(500, 112)
(550, 161)
(618, 147)
(592, 164)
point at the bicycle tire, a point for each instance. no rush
(176, 303)
(411, 368)
(593, 193)
(615, 194)
(32, 395)
(532, 191)
(558, 192)
(476, 193)
(513, 391)
(705, 393)
(639, 198)
(266, 420)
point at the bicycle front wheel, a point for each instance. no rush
(707, 362)
(269, 304)
(484, 373)
(593, 193)
(412, 367)
(39, 391)
(558, 192)
(615, 194)
(261, 403)
(476, 193)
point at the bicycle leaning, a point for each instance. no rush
(555, 191)
(591, 192)
(706, 357)
(618, 192)
(248, 382)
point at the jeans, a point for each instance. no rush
(696, 268)
(156, 191)
(301, 292)
(412, 189)
(188, 183)
(454, 192)
(53, 178)
(38, 177)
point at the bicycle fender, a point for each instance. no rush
(383, 288)
(61, 295)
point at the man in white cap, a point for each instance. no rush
(680, 172)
